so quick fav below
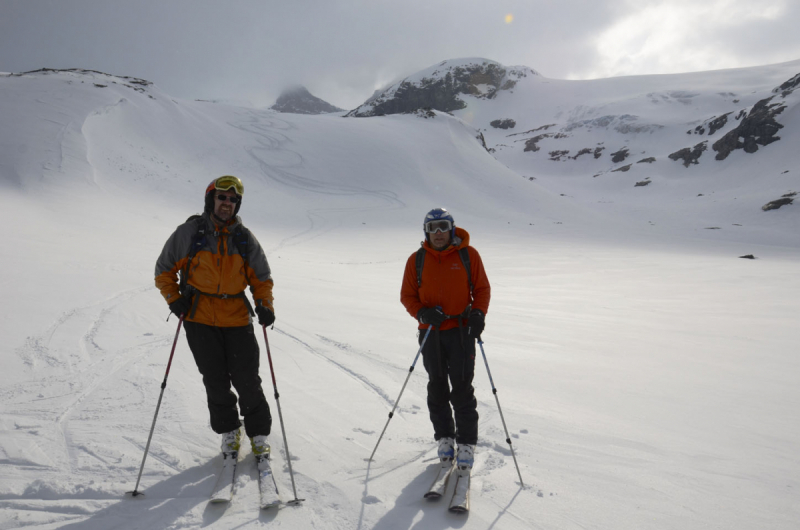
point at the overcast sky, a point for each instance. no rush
(342, 50)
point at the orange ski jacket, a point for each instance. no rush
(216, 269)
(444, 281)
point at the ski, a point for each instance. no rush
(439, 485)
(226, 479)
(459, 503)
(267, 487)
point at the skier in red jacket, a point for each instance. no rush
(445, 285)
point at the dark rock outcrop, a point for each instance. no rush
(620, 155)
(714, 124)
(774, 205)
(789, 86)
(559, 155)
(530, 143)
(757, 128)
(717, 123)
(584, 151)
(441, 89)
(542, 128)
(298, 100)
(690, 155)
(503, 124)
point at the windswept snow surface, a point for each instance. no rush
(648, 376)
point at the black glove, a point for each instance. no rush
(431, 315)
(181, 306)
(475, 324)
(265, 316)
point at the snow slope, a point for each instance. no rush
(606, 144)
(647, 375)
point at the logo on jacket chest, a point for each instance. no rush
(455, 266)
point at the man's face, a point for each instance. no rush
(223, 208)
(440, 240)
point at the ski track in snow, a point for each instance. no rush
(88, 368)
(275, 161)
(359, 377)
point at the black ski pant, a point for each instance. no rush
(228, 356)
(449, 359)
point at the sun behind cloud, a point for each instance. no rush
(509, 18)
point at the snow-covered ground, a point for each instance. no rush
(648, 376)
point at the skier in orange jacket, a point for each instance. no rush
(445, 285)
(217, 259)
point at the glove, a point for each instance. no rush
(181, 306)
(475, 324)
(265, 316)
(431, 315)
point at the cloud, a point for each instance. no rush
(342, 50)
(684, 35)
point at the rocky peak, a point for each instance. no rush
(298, 100)
(440, 87)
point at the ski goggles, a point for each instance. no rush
(439, 225)
(223, 198)
(227, 182)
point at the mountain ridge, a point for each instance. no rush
(298, 100)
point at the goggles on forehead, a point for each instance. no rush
(227, 182)
(440, 225)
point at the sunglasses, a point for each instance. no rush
(441, 225)
(223, 198)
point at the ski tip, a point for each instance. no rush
(458, 509)
(432, 496)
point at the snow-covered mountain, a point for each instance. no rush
(442, 86)
(647, 375)
(298, 100)
(598, 140)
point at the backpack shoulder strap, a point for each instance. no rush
(241, 238)
(464, 254)
(420, 263)
(198, 242)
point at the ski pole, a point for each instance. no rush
(136, 491)
(401, 390)
(494, 391)
(295, 501)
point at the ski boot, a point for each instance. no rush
(231, 441)
(260, 446)
(465, 459)
(447, 449)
